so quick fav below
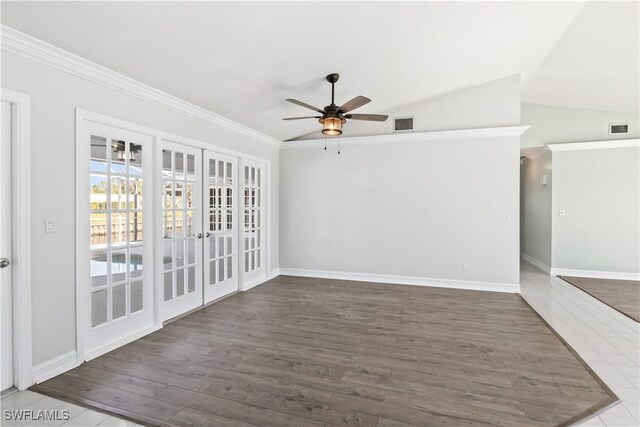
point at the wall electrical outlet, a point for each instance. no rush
(466, 266)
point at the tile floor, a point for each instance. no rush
(76, 415)
(608, 341)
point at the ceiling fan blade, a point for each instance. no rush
(302, 104)
(298, 118)
(356, 102)
(369, 117)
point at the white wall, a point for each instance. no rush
(419, 209)
(551, 124)
(54, 97)
(599, 190)
(535, 213)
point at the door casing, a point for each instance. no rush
(21, 235)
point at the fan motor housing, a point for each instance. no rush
(333, 77)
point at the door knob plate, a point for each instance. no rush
(4, 262)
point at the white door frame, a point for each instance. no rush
(21, 235)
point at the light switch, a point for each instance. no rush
(49, 225)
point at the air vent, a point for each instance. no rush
(618, 128)
(403, 124)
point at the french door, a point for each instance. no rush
(181, 246)
(199, 248)
(220, 226)
(115, 259)
(253, 214)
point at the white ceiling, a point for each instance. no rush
(241, 60)
(596, 63)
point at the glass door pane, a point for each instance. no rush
(116, 192)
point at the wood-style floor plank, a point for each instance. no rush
(314, 352)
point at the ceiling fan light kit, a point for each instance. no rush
(333, 117)
(332, 126)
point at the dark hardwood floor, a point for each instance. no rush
(621, 295)
(313, 352)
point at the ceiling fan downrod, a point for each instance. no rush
(333, 78)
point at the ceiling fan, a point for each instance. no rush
(332, 116)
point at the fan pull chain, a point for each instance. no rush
(325, 143)
(339, 139)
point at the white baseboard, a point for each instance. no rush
(539, 264)
(92, 354)
(615, 275)
(273, 273)
(404, 280)
(55, 366)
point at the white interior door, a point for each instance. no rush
(220, 225)
(181, 245)
(253, 247)
(6, 357)
(115, 247)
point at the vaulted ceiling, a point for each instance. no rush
(596, 62)
(241, 60)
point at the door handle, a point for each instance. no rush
(4, 262)
(207, 234)
(199, 236)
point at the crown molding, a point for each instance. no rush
(595, 145)
(409, 137)
(29, 47)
